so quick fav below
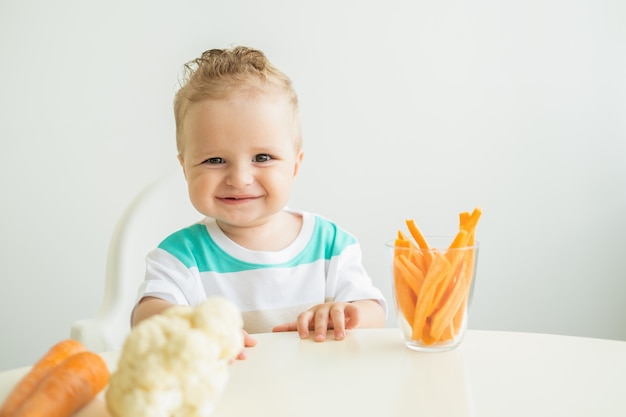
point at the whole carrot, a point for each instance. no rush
(69, 387)
(57, 354)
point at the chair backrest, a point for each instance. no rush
(160, 209)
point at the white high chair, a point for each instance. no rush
(160, 209)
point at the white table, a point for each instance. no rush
(371, 373)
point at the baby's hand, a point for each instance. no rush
(248, 341)
(338, 316)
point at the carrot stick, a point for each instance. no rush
(426, 338)
(421, 243)
(405, 250)
(469, 265)
(468, 275)
(448, 334)
(417, 258)
(443, 318)
(415, 255)
(452, 309)
(463, 217)
(417, 234)
(408, 276)
(453, 255)
(413, 276)
(57, 354)
(471, 222)
(457, 320)
(69, 387)
(405, 296)
(438, 271)
(402, 236)
(402, 244)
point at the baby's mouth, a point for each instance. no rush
(238, 198)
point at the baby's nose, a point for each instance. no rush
(239, 175)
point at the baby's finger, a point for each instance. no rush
(248, 341)
(286, 327)
(303, 323)
(352, 316)
(337, 316)
(321, 324)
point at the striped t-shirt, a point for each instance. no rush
(270, 288)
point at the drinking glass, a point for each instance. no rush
(432, 291)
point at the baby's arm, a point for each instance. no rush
(374, 314)
(149, 306)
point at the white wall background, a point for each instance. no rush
(415, 109)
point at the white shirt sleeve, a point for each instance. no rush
(167, 278)
(348, 281)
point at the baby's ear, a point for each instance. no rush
(296, 167)
(181, 161)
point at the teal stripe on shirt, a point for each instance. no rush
(194, 247)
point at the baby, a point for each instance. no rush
(239, 143)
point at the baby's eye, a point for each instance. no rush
(214, 160)
(262, 157)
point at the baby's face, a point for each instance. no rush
(239, 157)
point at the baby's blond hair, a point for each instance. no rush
(220, 73)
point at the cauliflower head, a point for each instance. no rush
(175, 364)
